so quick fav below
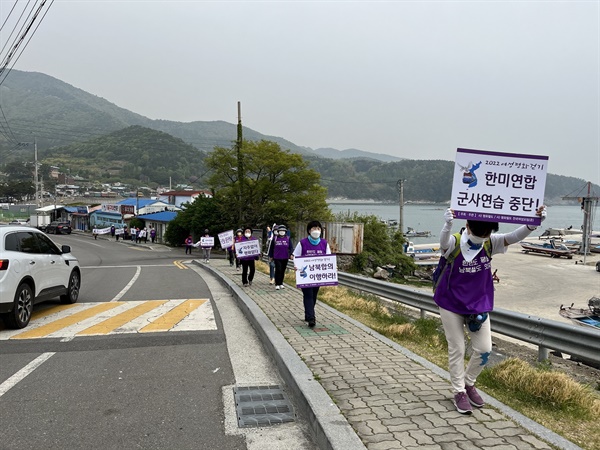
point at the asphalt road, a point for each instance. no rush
(94, 384)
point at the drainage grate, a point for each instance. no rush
(260, 406)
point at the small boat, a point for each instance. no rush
(422, 251)
(414, 233)
(549, 248)
(589, 317)
(558, 232)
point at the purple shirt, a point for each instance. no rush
(470, 289)
(313, 250)
(281, 247)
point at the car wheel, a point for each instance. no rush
(21, 314)
(73, 289)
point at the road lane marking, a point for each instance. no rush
(126, 288)
(118, 321)
(125, 317)
(180, 265)
(40, 314)
(59, 324)
(173, 317)
(21, 374)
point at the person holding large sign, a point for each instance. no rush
(280, 251)
(247, 251)
(463, 281)
(311, 246)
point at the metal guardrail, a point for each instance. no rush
(544, 333)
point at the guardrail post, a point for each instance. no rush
(423, 313)
(543, 353)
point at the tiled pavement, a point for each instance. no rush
(392, 398)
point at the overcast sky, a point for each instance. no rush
(409, 79)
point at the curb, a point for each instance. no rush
(330, 428)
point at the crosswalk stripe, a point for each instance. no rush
(173, 317)
(119, 320)
(65, 322)
(39, 314)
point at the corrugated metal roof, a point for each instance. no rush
(141, 202)
(163, 216)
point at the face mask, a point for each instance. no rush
(476, 242)
(282, 233)
(315, 234)
(247, 235)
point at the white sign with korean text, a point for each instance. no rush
(119, 231)
(498, 187)
(316, 271)
(101, 230)
(226, 238)
(246, 249)
(206, 241)
(110, 207)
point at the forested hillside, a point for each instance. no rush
(132, 155)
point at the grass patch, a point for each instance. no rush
(549, 397)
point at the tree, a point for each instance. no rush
(276, 186)
(202, 214)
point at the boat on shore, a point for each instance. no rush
(552, 248)
(411, 232)
(585, 317)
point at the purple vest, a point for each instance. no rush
(468, 288)
(282, 247)
(313, 250)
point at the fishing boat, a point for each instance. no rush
(585, 317)
(422, 252)
(558, 232)
(411, 232)
(548, 248)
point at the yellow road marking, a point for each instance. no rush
(52, 327)
(45, 312)
(180, 265)
(119, 320)
(173, 317)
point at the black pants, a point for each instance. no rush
(310, 301)
(248, 269)
(280, 266)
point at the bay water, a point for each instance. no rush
(430, 217)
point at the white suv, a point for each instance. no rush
(33, 269)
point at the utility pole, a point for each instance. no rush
(588, 202)
(240, 166)
(35, 169)
(400, 185)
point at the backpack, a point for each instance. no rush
(449, 261)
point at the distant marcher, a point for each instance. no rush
(125, 233)
(270, 232)
(239, 236)
(248, 262)
(153, 234)
(466, 297)
(280, 251)
(313, 245)
(144, 235)
(112, 230)
(95, 232)
(206, 248)
(188, 244)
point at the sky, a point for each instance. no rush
(412, 79)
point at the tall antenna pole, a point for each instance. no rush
(36, 181)
(240, 165)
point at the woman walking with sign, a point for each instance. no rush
(247, 260)
(279, 252)
(313, 245)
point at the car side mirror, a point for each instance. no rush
(65, 249)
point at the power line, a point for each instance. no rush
(8, 16)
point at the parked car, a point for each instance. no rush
(23, 222)
(33, 269)
(598, 266)
(58, 228)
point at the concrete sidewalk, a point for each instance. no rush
(390, 397)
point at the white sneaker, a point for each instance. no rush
(276, 288)
(282, 286)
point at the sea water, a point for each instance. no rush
(430, 217)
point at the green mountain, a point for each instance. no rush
(101, 141)
(132, 155)
(57, 114)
